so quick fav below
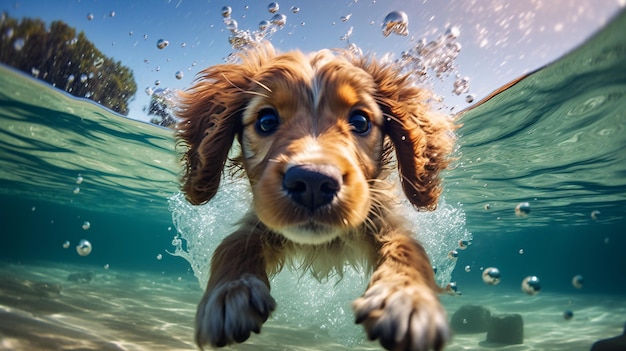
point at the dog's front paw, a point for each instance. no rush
(403, 317)
(232, 310)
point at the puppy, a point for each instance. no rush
(317, 135)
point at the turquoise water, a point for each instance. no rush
(556, 140)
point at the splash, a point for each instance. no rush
(326, 305)
(436, 57)
(243, 39)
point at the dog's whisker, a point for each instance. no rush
(262, 85)
(256, 93)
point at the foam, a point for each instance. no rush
(326, 304)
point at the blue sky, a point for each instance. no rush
(500, 39)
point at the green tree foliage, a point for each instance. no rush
(67, 60)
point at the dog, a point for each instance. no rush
(318, 137)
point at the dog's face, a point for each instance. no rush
(314, 133)
(311, 140)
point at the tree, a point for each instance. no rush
(66, 60)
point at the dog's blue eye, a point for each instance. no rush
(267, 121)
(360, 122)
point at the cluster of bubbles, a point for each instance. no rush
(79, 181)
(531, 285)
(90, 15)
(437, 56)
(242, 39)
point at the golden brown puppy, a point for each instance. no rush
(317, 135)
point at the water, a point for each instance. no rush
(555, 140)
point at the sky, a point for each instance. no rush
(500, 39)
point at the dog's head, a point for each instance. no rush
(316, 133)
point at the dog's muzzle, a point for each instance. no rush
(311, 185)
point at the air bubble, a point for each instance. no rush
(453, 32)
(79, 179)
(491, 276)
(463, 244)
(468, 268)
(76, 190)
(231, 24)
(98, 62)
(178, 75)
(18, 44)
(226, 11)
(90, 16)
(273, 7)
(487, 206)
(521, 251)
(531, 285)
(66, 244)
(470, 98)
(263, 25)
(83, 78)
(595, 215)
(345, 18)
(86, 225)
(568, 314)
(279, 20)
(83, 248)
(578, 281)
(106, 266)
(396, 22)
(70, 78)
(522, 209)
(453, 255)
(162, 43)
(159, 257)
(295, 9)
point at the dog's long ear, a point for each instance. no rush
(421, 138)
(210, 118)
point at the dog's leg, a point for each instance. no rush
(237, 299)
(400, 306)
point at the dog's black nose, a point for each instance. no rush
(312, 185)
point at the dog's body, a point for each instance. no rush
(317, 136)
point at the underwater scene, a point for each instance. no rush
(101, 250)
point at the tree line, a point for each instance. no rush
(66, 60)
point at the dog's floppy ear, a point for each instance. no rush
(421, 138)
(210, 117)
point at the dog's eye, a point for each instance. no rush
(360, 122)
(267, 122)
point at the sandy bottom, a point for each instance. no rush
(98, 309)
